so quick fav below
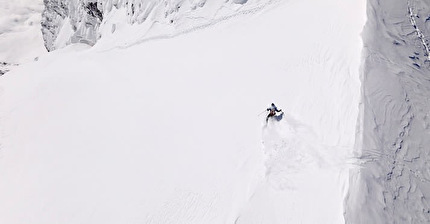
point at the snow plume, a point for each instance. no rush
(82, 21)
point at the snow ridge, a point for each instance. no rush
(150, 36)
(85, 21)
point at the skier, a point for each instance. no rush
(272, 111)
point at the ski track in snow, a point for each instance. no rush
(291, 147)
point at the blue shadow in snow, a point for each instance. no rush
(278, 117)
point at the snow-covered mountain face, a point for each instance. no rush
(85, 21)
(393, 145)
(146, 128)
(173, 130)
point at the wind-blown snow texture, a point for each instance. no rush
(392, 185)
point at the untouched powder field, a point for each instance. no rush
(168, 130)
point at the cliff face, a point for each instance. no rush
(81, 21)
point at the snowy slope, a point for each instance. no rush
(20, 37)
(392, 183)
(167, 131)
